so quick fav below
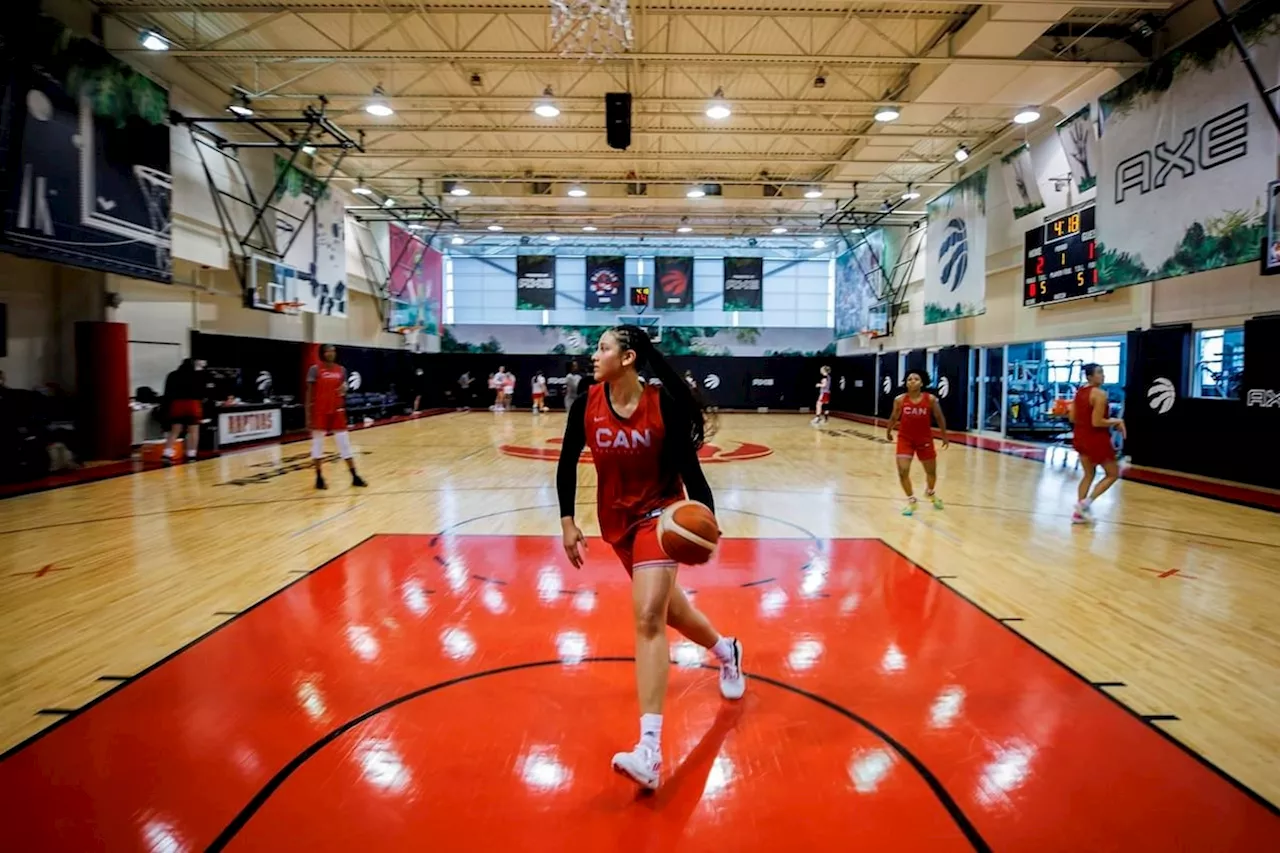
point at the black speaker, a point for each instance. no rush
(617, 119)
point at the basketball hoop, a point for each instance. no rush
(592, 28)
(291, 308)
(407, 330)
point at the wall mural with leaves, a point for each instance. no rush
(676, 340)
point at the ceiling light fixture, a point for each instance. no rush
(308, 149)
(718, 109)
(589, 228)
(695, 192)
(813, 192)
(456, 240)
(361, 189)
(779, 229)
(378, 106)
(240, 105)
(153, 40)
(887, 114)
(911, 194)
(495, 228)
(459, 190)
(962, 153)
(552, 238)
(577, 191)
(819, 243)
(547, 107)
(684, 229)
(1027, 115)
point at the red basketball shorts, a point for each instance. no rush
(1096, 450)
(922, 450)
(823, 399)
(186, 412)
(335, 421)
(639, 548)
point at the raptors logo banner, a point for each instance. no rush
(673, 278)
(955, 270)
(606, 282)
(1187, 152)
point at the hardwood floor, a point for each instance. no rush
(1170, 595)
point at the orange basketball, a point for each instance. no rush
(688, 533)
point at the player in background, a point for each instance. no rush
(821, 415)
(499, 384)
(326, 408)
(539, 388)
(1091, 437)
(915, 411)
(184, 393)
(644, 441)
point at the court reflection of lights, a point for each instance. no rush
(946, 707)
(584, 600)
(849, 603)
(1005, 773)
(813, 577)
(571, 646)
(687, 654)
(804, 654)
(456, 574)
(493, 600)
(415, 598)
(311, 699)
(894, 660)
(721, 776)
(541, 770)
(362, 642)
(869, 767)
(161, 837)
(381, 765)
(550, 583)
(458, 644)
(772, 602)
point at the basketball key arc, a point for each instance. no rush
(707, 454)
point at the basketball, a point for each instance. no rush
(688, 532)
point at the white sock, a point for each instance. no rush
(723, 650)
(1084, 504)
(651, 730)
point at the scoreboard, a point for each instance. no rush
(1061, 260)
(640, 297)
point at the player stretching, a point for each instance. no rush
(1091, 436)
(915, 410)
(644, 442)
(821, 415)
(326, 410)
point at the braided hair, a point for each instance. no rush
(636, 339)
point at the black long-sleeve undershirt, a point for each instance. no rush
(679, 458)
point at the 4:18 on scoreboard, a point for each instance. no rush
(1061, 260)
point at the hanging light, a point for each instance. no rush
(361, 189)
(962, 153)
(887, 114)
(589, 228)
(495, 227)
(153, 40)
(576, 191)
(911, 194)
(378, 106)
(718, 109)
(813, 192)
(696, 192)
(1026, 115)
(389, 202)
(240, 105)
(547, 107)
(457, 240)
(459, 190)
(308, 149)
(819, 243)
(779, 229)
(552, 238)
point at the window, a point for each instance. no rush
(1065, 359)
(1218, 363)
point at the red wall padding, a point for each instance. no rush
(102, 387)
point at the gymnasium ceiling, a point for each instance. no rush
(803, 79)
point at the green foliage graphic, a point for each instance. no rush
(1233, 238)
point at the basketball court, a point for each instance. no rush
(215, 657)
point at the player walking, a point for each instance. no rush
(821, 414)
(915, 411)
(1091, 437)
(326, 408)
(644, 441)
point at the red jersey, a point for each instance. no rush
(328, 385)
(1089, 440)
(915, 425)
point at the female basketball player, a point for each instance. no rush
(915, 410)
(539, 389)
(326, 408)
(644, 440)
(821, 416)
(1091, 437)
(184, 393)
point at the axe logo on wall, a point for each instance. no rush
(712, 381)
(762, 383)
(353, 381)
(1161, 395)
(944, 387)
(1263, 397)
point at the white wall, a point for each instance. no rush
(1214, 298)
(44, 301)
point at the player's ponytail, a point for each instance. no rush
(674, 385)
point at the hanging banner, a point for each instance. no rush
(673, 278)
(84, 157)
(535, 282)
(606, 282)
(862, 282)
(1078, 134)
(1187, 153)
(293, 209)
(1271, 247)
(328, 291)
(1020, 182)
(955, 269)
(416, 287)
(743, 284)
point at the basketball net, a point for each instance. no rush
(592, 28)
(157, 191)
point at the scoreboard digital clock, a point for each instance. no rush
(1061, 260)
(640, 297)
